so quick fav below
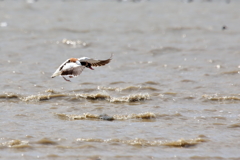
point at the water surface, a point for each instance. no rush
(170, 92)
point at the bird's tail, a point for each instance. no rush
(56, 74)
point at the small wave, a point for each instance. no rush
(151, 83)
(51, 91)
(53, 156)
(146, 115)
(118, 82)
(74, 43)
(235, 125)
(189, 97)
(164, 50)
(170, 93)
(94, 96)
(61, 29)
(41, 97)
(184, 143)
(105, 96)
(129, 88)
(144, 142)
(183, 28)
(87, 83)
(131, 98)
(188, 80)
(87, 146)
(85, 116)
(46, 141)
(219, 124)
(78, 117)
(211, 157)
(15, 144)
(219, 117)
(220, 98)
(231, 72)
(9, 95)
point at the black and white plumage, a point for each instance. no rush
(73, 67)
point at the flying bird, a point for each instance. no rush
(73, 67)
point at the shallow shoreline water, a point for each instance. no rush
(170, 92)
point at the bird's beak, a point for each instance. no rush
(91, 68)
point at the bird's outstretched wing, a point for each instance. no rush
(59, 70)
(95, 62)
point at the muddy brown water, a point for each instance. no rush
(170, 92)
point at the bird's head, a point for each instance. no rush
(86, 64)
(89, 66)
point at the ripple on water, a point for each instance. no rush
(231, 72)
(164, 50)
(143, 142)
(139, 116)
(131, 142)
(74, 43)
(235, 125)
(9, 95)
(15, 144)
(151, 83)
(46, 141)
(129, 88)
(89, 96)
(221, 98)
(117, 82)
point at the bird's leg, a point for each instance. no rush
(66, 79)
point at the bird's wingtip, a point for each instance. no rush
(111, 56)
